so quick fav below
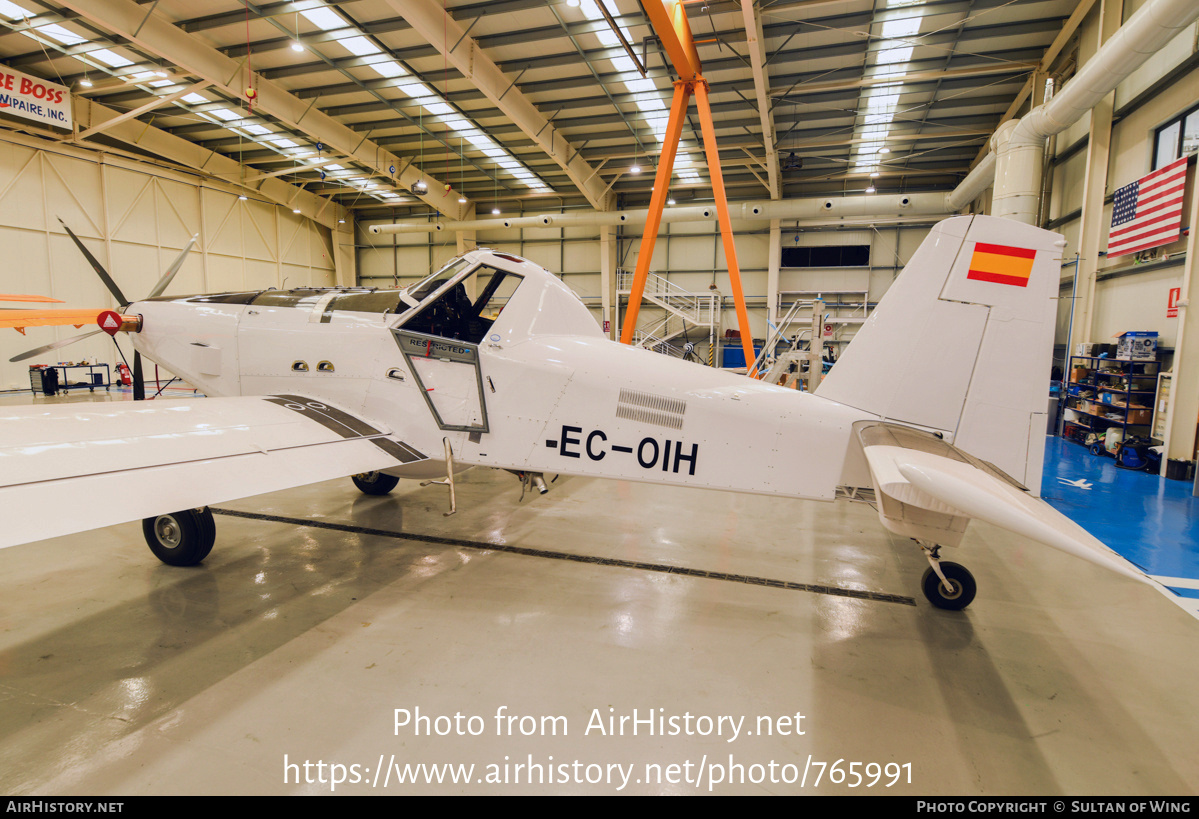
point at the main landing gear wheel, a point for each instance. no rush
(375, 483)
(960, 593)
(181, 538)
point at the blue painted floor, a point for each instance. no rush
(1153, 522)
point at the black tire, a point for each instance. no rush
(375, 483)
(964, 587)
(181, 538)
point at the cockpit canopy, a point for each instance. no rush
(460, 301)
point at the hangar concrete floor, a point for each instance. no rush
(297, 642)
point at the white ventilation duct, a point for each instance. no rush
(1018, 145)
(816, 208)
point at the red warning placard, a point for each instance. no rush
(109, 321)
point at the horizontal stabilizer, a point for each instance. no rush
(927, 484)
(976, 494)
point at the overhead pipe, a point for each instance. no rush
(829, 207)
(1017, 147)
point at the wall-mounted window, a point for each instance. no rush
(1178, 137)
(826, 256)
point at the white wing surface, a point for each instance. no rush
(77, 467)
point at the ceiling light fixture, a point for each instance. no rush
(85, 82)
(870, 189)
(670, 201)
(884, 150)
(296, 45)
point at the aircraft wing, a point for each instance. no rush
(76, 467)
(925, 479)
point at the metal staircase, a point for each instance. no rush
(683, 311)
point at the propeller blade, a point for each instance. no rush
(54, 345)
(99, 268)
(139, 383)
(165, 281)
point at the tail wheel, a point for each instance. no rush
(960, 593)
(181, 538)
(375, 483)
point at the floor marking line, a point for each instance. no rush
(835, 591)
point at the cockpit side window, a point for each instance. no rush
(454, 314)
(423, 289)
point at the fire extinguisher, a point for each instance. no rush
(124, 375)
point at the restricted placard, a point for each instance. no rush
(32, 98)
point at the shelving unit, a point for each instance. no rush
(1113, 393)
(95, 377)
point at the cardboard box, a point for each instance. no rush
(1136, 345)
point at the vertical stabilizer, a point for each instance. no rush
(962, 343)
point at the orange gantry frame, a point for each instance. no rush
(669, 21)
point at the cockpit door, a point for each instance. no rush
(447, 374)
(440, 341)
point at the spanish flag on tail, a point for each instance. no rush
(1001, 264)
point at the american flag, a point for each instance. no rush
(1148, 212)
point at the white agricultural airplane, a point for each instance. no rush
(936, 411)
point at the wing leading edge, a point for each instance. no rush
(83, 466)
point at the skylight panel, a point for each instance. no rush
(324, 18)
(12, 11)
(359, 46)
(285, 143)
(194, 99)
(109, 58)
(389, 68)
(224, 114)
(59, 33)
(257, 129)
